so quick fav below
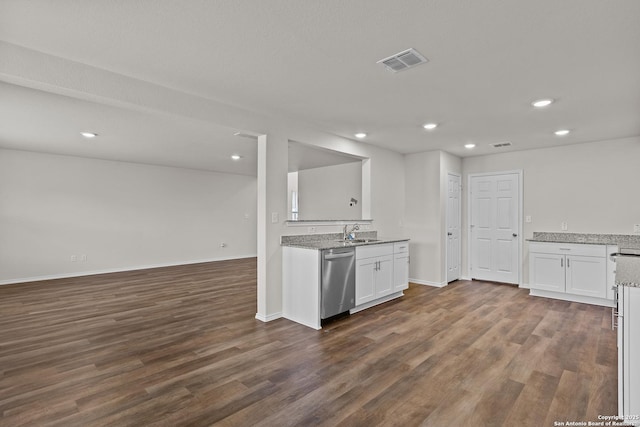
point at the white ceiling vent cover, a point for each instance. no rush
(501, 144)
(404, 60)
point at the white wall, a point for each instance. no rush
(324, 193)
(425, 213)
(120, 215)
(422, 216)
(382, 184)
(382, 200)
(591, 186)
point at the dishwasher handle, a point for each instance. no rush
(336, 256)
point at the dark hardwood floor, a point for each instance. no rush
(180, 346)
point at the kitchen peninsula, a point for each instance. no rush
(367, 271)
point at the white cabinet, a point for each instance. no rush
(301, 286)
(400, 266)
(574, 272)
(546, 271)
(382, 272)
(374, 272)
(586, 276)
(365, 280)
(629, 353)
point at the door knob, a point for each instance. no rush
(514, 235)
(449, 234)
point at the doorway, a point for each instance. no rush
(453, 227)
(495, 226)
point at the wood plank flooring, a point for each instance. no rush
(180, 346)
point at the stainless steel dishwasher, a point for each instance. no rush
(338, 293)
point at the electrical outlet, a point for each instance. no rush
(527, 218)
(274, 217)
(564, 226)
(636, 228)
(223, 245)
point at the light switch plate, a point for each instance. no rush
(527, 218)
(274, 217)
(564, 226)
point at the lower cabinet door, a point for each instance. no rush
(400, 272)
(547, 272)
(586, 276)
(384, 276)
(365, 280)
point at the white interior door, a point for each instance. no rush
(453, 227)
(494, 227)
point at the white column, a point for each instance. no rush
(272, 212)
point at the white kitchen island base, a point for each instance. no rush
(301, 286)
(381, 275)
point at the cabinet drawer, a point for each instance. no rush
(401, 247)
(371, 251)
(568, 249)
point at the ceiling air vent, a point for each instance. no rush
(501, 144)
(404, 60)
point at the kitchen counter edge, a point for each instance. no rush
(330, 244)
(621, 240)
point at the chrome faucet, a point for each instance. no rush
(347, 235)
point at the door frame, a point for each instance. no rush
(446, 242)
(519, 172)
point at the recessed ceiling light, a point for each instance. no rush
(236, 157)
(88, 134)
(360, 135)
(430, 126)
(562, 132)
(469, 146)
(540, 103)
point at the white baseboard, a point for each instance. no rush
(573, 298)
(269, 317)
(376, 302)
(115, 270)
(428, 283)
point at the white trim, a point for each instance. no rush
(520, 173)
(376, 302)
(428, 283)
(268, 318)
(573, 298)
(116, 270)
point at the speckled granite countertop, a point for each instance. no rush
(334, 240)
(628, 270)
(630, 241)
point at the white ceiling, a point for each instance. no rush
(314, 62)
(39, 121)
